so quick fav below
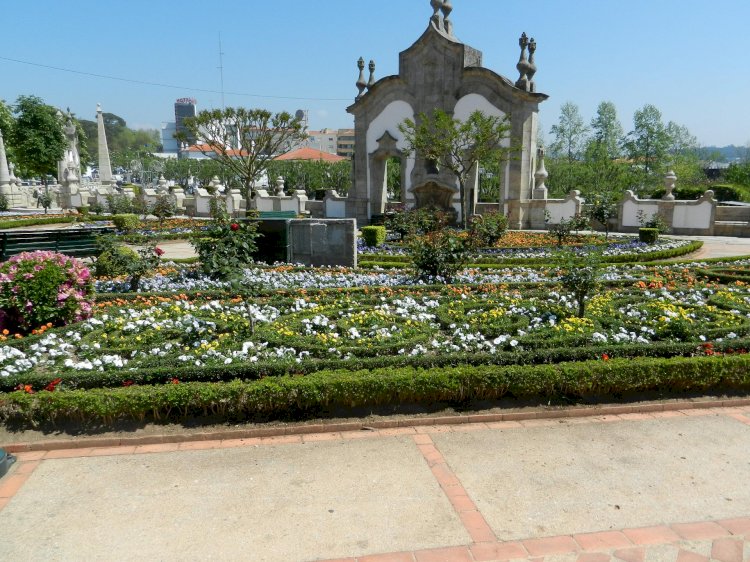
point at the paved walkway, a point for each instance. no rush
(636, 487)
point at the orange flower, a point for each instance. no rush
(605, 357)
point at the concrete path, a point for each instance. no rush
(635, 487)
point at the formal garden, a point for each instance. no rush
(432, 317)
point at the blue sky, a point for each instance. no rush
(687, 57)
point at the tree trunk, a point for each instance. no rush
(462, 195)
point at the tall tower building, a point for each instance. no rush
(184, 107)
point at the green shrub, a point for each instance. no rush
(83, 209)
(3, 202)
(119, 204)
(439, 255)
(115, 261)
(561, 230)
(164, 207)
(726, 192)
(227, 247)
(126, 222)
(487, 229)
(37, 288)
(648, 235)
(373, 236)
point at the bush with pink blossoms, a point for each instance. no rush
(37, 288)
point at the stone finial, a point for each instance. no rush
(279, 186)
(371, 81)
(532, 66)
(523, 64)
(447, 8)
(669, 182)
(436, 18)
(541, 175)
(361, 84)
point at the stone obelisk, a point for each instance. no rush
(5, 184)
(105, 168)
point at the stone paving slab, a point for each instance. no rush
(561, 478)
(271, 503)
(393, 495)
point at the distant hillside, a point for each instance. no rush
(728, 153)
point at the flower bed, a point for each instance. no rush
(177, 347)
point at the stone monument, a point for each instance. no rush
(441, 72)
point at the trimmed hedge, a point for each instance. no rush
(254, 371)
(399, 262)
(648, 235)
(296, 396)
(373, 236)
(126, 221)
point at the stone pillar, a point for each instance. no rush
(105, 168)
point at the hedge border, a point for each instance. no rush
(302, 396)
(403, 261)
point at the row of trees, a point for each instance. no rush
(600, 158)
(35, 142)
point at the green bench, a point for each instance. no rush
(71, 242)
(278, 215)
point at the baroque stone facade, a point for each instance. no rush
(441, 72)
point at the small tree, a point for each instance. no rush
(602, 210)
(164, 207)
(38, 139)
(581, 276)
(243, 140)
(457, 146)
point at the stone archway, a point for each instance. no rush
(387, 148)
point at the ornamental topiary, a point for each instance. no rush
(373, 236)
(39, 288)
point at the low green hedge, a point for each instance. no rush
(254, 371)
(20, 223)
(297, 396)
(399, 262)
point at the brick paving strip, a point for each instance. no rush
(726, 540)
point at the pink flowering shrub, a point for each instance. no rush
(37, 288)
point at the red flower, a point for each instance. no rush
(605, 357)
(175, 381)
(127, 383)
(159, 251)
(234, 226)
(53, 385)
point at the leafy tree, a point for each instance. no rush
(38, 137)
(457, 146)
(570, 132)
(607, 130)
(681, 142)
(648, 143)
(243, 140)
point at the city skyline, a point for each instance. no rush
(295, 55)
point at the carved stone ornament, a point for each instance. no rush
(361, 84)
